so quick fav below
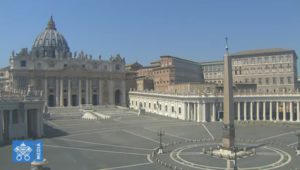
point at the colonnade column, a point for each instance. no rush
(46, 91)
(184, 111)
(214, 112)
(79, 92)
(251, 110)
(271, 110)
(195, 112)
(277, 111)
(203, 112)
(245, 110)
(56, 92)
(284, 112)
(188, 112)
(199, 112)
(291, 111)
(61, 92)
(239, 110)
(257, 111)
(86, 91)
(298, 116)
(264, 110)
(69, 92)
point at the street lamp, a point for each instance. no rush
(160, 134)
(235, 149)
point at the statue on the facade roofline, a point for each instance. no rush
(30, 91)
(91, 57)
(99, 57)
(13, 53)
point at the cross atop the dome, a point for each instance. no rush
(51, 24)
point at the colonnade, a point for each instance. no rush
(268, 110)
(279, 107)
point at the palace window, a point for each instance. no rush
(259, 81)
(166, 108)
(289, 79)
(281, 80)
(173, 109)
(267, 80)
(179, 110)
(274, 80)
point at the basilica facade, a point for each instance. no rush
(63, 77)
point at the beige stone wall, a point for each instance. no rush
(271, 73)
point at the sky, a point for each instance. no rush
(144, 30)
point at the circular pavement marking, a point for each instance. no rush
(176, 156)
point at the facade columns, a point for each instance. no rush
(56, 92)
(123, 94)
(245, 110)
(86, 91)
(79, 92)
(99, 92)
(277, 111)
(284, 112)
(271, 110)
(61, 92)
(69, 92)
(264, 110)
(291, 111)
(46, 91)
(91, 92)
(239, 111)
(111, 92)
(298, 116)
(251, 110)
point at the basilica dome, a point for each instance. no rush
(50, 42)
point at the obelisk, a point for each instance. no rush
(228, 129)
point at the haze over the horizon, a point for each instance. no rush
(144, 30)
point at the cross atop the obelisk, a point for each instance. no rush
(228, 129)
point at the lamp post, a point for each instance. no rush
(235, 149)
(160, 134)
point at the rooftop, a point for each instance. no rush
(262, 51)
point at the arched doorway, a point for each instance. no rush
(51, 101)
(118, 97)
